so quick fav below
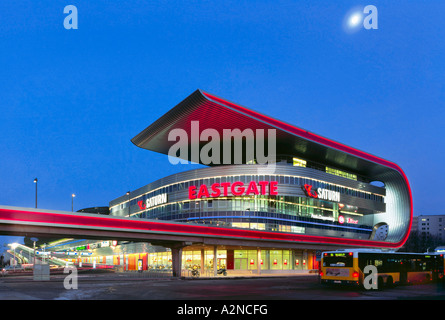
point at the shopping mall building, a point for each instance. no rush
(320, 193)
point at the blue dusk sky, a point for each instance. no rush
(71, 100)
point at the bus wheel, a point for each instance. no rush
(389, 282)
(380, 283)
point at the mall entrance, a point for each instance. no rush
(253, 260)
(234, 259)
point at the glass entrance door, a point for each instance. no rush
(241, 264)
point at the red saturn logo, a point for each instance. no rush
(308, 190)
(142, 205)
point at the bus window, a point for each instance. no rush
(366, 259)
(338, 260)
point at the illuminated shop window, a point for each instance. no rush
(252, 257)
(341, 173)
(247, 225)
(298, 162)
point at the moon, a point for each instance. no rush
(353, 20)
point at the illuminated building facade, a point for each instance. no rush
(318, 191)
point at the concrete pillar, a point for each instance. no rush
(176, 249)
(259, 261)
(176, 261)
(202, 260)
(215, 261)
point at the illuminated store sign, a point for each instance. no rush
(237, 189)
(342, 220)
(43, 253)
(322, 194)
(153, 201)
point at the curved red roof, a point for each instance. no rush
(213, 112)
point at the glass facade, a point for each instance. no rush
(248, 260)
(291, 210)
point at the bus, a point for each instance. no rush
(347, 267)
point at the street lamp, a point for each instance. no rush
(13, 246)
(248, 209)
(34, 240)
(128, 194)
(35, 181)
(72, 202)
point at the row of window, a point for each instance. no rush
(262, 221)
(285, 204)
(282, 180)
(297, 162)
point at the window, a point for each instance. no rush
(338, 260)
(341, 173)
(298, 162)
(222, 203)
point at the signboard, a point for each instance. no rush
(321, 193)
(43, 252)
(342, 220)
(153, 201)
(337, 272)
(237, 188)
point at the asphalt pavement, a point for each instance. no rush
(134, 286)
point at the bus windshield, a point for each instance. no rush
(337, 260)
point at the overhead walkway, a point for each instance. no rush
(169, 234)
(26, 254)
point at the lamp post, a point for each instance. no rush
(128, 194)
(34, 240)
(248, 210)
(123, 257)
(13, 246)
(72, 202)
(35, 181)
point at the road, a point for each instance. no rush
(115, 286)
(112, 295)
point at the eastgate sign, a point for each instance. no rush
(237, 188)
(322, 194)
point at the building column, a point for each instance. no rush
(259, 261)
(176, 250)
(215, 261)
(176, 261)
(202, 260)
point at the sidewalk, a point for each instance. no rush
(93, 275)
(231, 274)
